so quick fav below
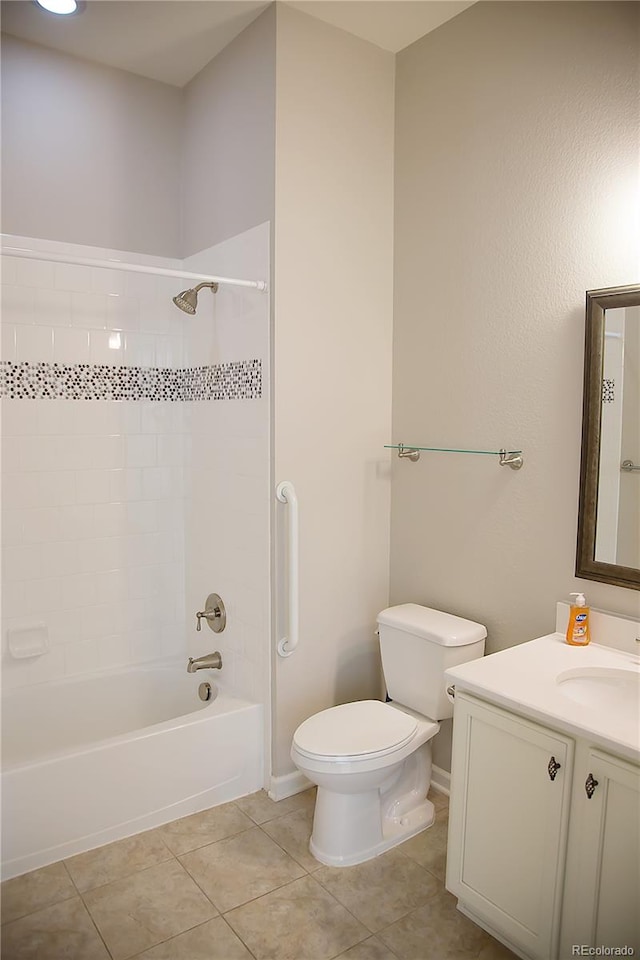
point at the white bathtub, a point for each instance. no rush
(94, 759)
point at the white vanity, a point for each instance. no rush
(544, 823)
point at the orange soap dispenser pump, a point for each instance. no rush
(578, 633)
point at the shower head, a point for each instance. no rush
(188, 299)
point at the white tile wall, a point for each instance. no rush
(83, 533)
(228, 497)
(86, 546)
(118, 518)
(69, 313)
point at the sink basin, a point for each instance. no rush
(614, 689)
(589, 693)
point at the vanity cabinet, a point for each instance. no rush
(543, 835)
(508, 823)
(602, 886)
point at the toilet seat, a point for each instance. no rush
(362, 730)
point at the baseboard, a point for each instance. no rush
(286, 786)
(440, 780)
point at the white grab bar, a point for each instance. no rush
(285, 493)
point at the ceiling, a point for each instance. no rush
(172, 40)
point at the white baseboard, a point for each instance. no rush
(440, 780)
(286, 786)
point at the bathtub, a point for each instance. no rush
(94, 759)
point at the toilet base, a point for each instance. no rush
(359, 849)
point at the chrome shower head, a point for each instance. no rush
(187, 300)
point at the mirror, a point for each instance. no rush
(609, 512)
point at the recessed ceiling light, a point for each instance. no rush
(61, 7)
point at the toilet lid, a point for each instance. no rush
(354, 730)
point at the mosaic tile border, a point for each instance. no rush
(236, 380)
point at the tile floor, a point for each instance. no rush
(237, 882)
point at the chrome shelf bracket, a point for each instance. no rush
(513, 460)
(411, 453)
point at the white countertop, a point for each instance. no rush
(523, 679)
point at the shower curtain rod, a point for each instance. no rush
(28, 254)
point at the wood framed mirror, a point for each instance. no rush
(608, 547)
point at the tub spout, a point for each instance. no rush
(211, 661)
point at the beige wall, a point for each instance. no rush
(229, 130)
(101, 156)
(332, 356)
(516, 191)
(90, 154)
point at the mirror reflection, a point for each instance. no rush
(618, 512)
(609, 514)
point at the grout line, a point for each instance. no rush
(199, 886)
(375, 933)
(384, 943)
(307, 873)
(290, 883)
(252, 899)
(68, 873)
(172, 937)
(284, 849)
(45, 906)
(260, 896)
(95, 925)
(236, 934)
(166, 939)
(125, 876)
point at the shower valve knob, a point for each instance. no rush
(214, 613)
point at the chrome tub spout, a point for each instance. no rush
(211, 661)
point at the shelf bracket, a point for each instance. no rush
(411, 453)
(513, 460)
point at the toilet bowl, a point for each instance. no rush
(372, 764)
(371, 760)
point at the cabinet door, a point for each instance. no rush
(510, 788)
(602, 892)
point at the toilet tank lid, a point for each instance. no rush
(433, 625)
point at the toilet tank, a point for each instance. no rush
(417, 645)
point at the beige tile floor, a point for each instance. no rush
(237, 882)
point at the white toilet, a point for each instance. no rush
(372, 760)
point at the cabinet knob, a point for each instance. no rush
(590, 785)
(553, 768)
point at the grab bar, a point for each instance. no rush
(285, 493)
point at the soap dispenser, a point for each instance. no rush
(578, 633)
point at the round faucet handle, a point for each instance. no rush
(214, 613)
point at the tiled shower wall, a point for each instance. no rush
(96, 492)
(228, 497)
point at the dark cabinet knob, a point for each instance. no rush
(590, 785)
(553, 768)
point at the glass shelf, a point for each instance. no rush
(508, 458)
(410, 446)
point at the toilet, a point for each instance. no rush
(371, 760)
